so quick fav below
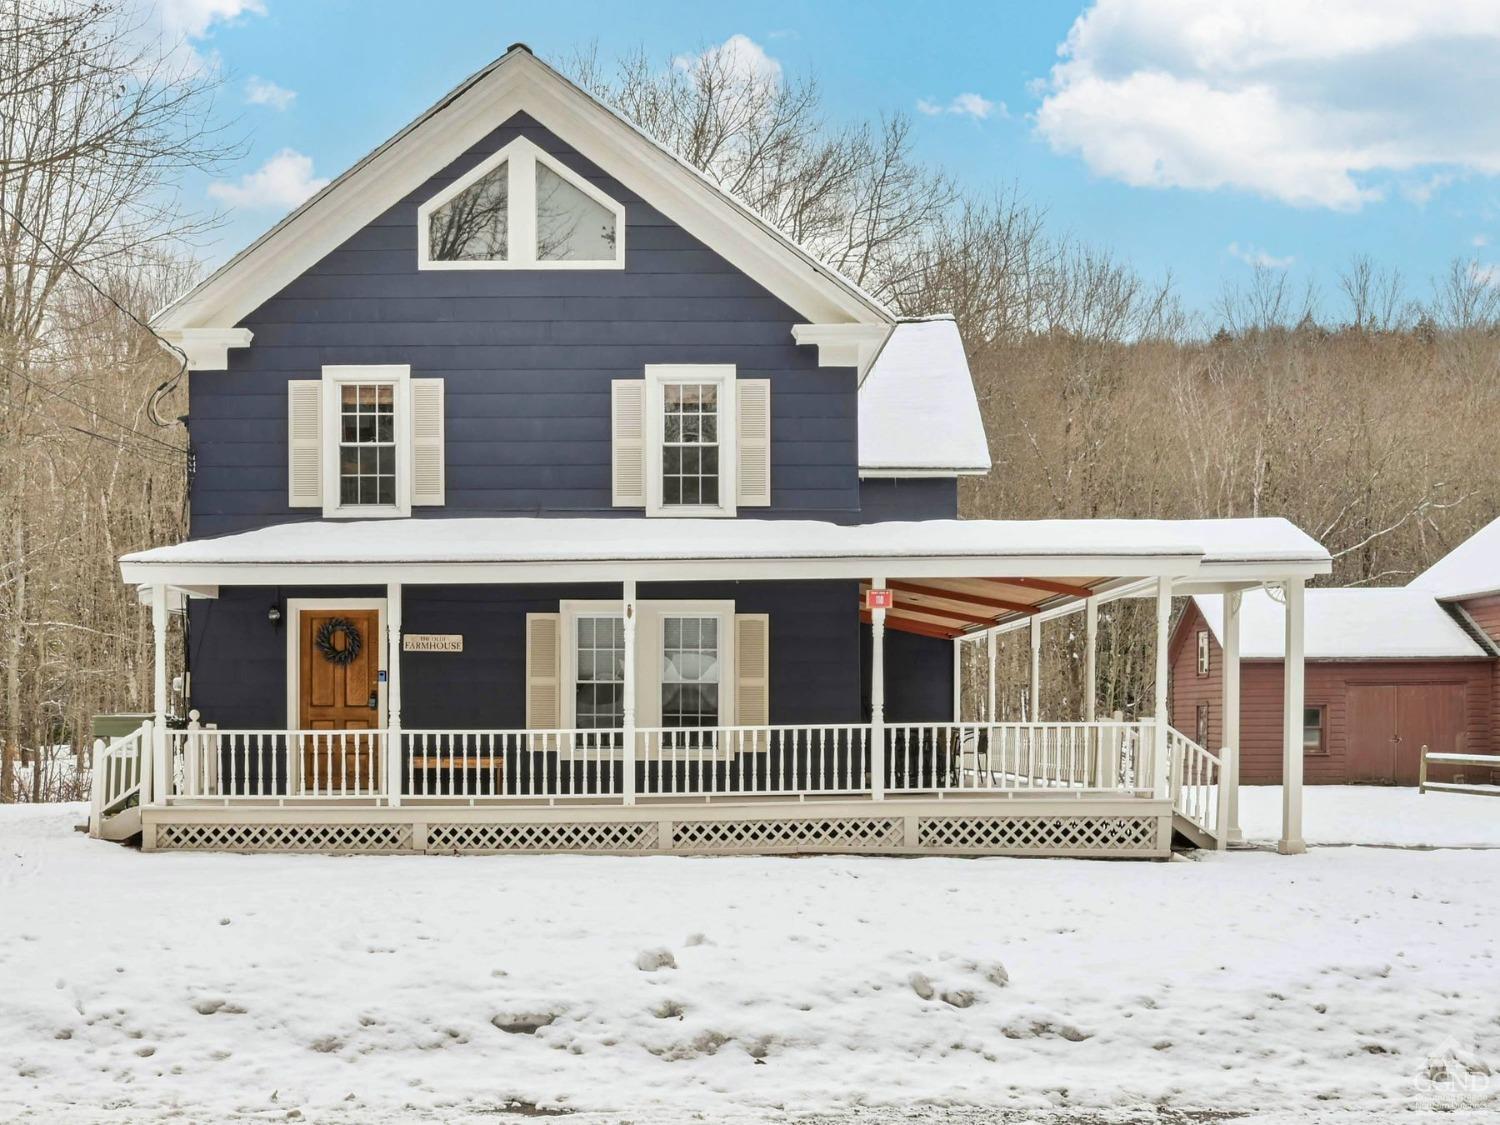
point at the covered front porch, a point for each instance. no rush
(777, 761)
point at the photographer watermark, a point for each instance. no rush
(1453, 1073)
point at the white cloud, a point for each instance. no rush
(963, 105)
(192, 19)
(1316, 105)
(262, 91)
(1480, 240)
(738, 56)
(1254, 256)
(281, 182)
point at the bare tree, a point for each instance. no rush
(95, 128)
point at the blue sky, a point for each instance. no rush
(1190, 137)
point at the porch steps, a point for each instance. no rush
(122, 825)
(1195, 834)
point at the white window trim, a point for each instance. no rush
(660, 375)
(520, 227)
(397, 375)
(650, 638)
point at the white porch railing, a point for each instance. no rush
(1199, 792)
(470, 766)
(1103, 757)
(251, 765)
(117, 778)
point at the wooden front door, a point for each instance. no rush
(1372, 733)
(335, 695)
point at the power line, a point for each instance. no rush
(96, 412)
(163, 388)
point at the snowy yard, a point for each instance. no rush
(1348, 984)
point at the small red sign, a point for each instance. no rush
(879, 599)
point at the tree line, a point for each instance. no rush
(1367, 415)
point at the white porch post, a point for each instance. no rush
(393, 594)
(989, 651)
(958, 679)
(161, 774)
(1291, 842)
(1231, 732)
(1090, 659)
(877, 696)
(1036, 669)
(1163, 619)
(627, 719)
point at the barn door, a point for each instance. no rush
(339, 693)
(1430, 715)
(1372, 733)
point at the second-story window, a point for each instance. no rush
(367, 444)
(690, 444)
(689, 433)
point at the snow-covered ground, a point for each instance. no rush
(1375, 814)
(1350, 984)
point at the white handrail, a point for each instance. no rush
(1199, 791)
(119, 769)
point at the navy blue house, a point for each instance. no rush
(531, 466)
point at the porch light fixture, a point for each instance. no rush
(273, 615)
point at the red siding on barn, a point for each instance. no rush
(1188, 689)
(1486, 614)
(1328, 682)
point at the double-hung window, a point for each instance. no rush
(690, 440)
(690, 671)
(366, 428)
(599, 683)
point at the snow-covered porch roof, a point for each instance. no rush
(1217, 554)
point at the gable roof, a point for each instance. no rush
(1469, 570)
(519, 82)
(1382, 623)
(918, 414)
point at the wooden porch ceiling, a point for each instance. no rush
(951, 607)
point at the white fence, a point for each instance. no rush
(1487, 765)
(1107, 757)
(259, 764)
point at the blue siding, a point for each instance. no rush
(914, 498)
(238, 659)
(527, 358)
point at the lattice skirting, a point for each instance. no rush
(967, 831)
(563, 836)
(285, 837)
(1038, 834)
(822, 834)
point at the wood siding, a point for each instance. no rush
(239, 659)
(1329, 684)
(527, 357)
(1486, 614)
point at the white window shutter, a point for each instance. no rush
(304, 415)
(752, 669)
(628, 436)
(427, 470)
(543, 671)
(753, 430)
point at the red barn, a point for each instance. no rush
(1388, 671)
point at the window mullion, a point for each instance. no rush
(521, 227)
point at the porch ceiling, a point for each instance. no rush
(951, 607)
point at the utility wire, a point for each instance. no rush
(166, 386)
(97, 413)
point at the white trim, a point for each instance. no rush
(844, 345)
(461, 119)
(295, 607)
(658, 376)
(876, 472)
(522, 156)
(207, 349)
(397, 375)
